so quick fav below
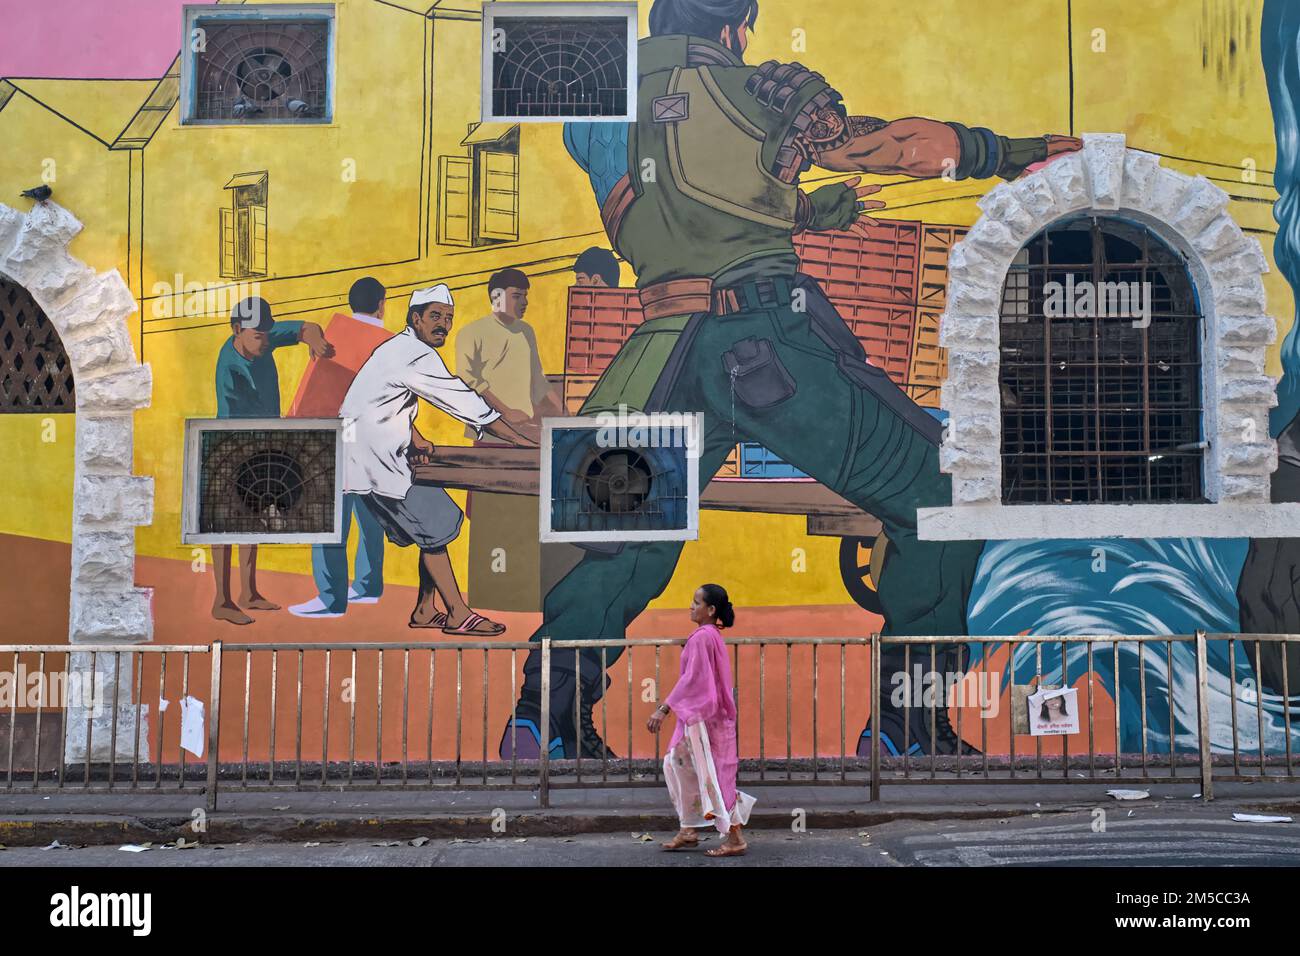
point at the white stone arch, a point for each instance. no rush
(1190, 214)
(89, 311)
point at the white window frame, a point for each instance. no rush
(694, 427)
(251, 13)
(194, 430)
(1190, 215)
(530, 8)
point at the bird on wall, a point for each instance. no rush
(38, 193)
(298, 107)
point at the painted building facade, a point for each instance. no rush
(365, 153)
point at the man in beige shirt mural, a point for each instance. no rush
(497, 357)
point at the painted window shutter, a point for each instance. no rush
(498, 175)
(454, 200)
(228, 243)
(257, 241)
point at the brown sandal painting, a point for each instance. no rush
(476, 625)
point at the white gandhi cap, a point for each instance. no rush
(438, 293)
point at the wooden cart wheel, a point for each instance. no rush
(860, 563)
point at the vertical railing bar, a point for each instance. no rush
(379, 718)
(1038, 685)
(1203, 716)
(630, 694)
(406, 715)
(658, 700)
(13, 724)
(1169, 693)
(162, 723)
(843, 745)
(90, 719)
(325, 721)
(137, 689)
(248, 684)
(907, 713)
(63, 724)
(735, 692)
(1142, 684)
(604, 713)
(577, 713)
(485, 714)
(814, 711)
(960, 687)
(1092, 742)
(1114, 646)
(1232, 687)
(275, 684)
(40, 704)
(1065, 683)
(789, 753)
(762, 709)
(297, 731)
(1011, 711)
(514, 717)
(984, 720)
(214, 726)
(544, 781)
(460, 651)
(352, 717)
(1286, 707)
(934, 715)
(112, 743)
(185, 692)
(874, 680)
(433, 653)
(1259, 713)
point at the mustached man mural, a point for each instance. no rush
(770, 244)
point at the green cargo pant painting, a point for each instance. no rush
(792, 377)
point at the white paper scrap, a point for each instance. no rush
(192, 736)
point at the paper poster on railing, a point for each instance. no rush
(1053, 712)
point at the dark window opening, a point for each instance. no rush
(560, 66)
(261, 70)
(266, 481)
(35, 374)
(1100, 369)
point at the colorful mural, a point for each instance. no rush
(767, 244)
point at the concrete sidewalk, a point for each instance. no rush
(37, 819)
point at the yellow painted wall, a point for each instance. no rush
(1004, 65)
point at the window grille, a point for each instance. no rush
(558, 66)
(1099, 403)
(35, 374)
(261, 70)
(267, 482)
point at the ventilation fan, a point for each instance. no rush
(262, 481)
(609, 478)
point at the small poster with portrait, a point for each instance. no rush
(1053, 712)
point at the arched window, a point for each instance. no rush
(35, 374)
(1100, 368)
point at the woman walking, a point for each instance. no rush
(700, 767)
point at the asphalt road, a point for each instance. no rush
(1152, 836)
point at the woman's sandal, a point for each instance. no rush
(677, 843)
(727, 849)
(470, 626)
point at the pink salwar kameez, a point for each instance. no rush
(701, 763)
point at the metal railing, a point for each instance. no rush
(410, 715)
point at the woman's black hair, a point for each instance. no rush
(715, 596)
(1043, 713)
(701, 18)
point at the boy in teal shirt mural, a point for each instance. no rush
(248, 386)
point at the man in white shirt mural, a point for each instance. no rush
(382, 444)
